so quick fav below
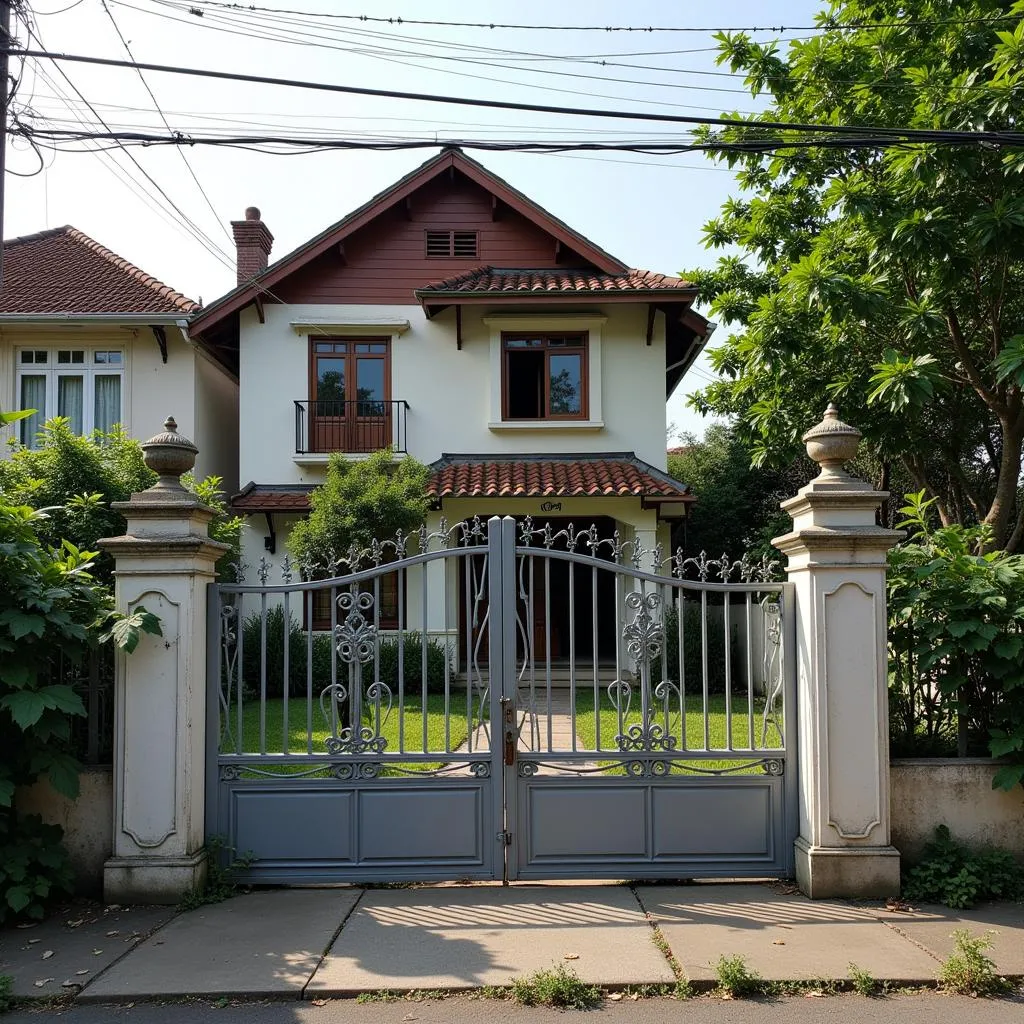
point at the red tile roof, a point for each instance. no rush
(271, 498)
(64, 271)
(491, 280)
(563, 476)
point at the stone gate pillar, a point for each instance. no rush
(164, 562)
(837, 563)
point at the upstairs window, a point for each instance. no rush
(460, 245)
(83, 385)
(544, 376)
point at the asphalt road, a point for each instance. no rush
(920, 1008)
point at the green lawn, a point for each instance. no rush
(586, 725)
(410, 722)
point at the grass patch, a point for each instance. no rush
(558, 986)
(398, 730)
(969, 970)
(717, 731)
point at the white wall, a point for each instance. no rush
(156, 390)
(448, 390)
(216, 417)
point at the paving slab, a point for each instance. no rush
(258, 944)
(73, 945)
(932, 926)
(459, 938)
(782, 935)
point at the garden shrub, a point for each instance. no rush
(693, 657)
(956, 639)
(412, 663)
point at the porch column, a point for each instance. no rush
(164, 562)
(837, 563)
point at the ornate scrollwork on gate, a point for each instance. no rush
(355, 640)
(644, 636)
(771, 610)
(229, 663)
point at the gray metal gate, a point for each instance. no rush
(462, 706)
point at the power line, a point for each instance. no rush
(919, 134)
(825, 25)
(156, 104)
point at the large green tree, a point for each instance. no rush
(889, 279)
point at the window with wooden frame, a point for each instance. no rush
(350, 394)
(460, 245)
(387, 604)
(544, 376)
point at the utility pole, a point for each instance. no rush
(5, 45)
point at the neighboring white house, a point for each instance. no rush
(87, 335)
(454, 319)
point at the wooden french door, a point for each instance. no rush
(350, 395)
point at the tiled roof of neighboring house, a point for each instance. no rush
(616, 474)
(491, 280)
(64, 271)
(272, 498)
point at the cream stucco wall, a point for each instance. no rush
(448, 391)
(201, 397)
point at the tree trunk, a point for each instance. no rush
(1000, 512)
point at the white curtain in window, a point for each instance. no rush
(108, 401)
(33, 396)
(70, 392)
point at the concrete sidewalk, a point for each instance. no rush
(318, 942)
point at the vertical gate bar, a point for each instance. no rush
(680, 622)
(618, 621)
(597, 682)
(666, 703)
(790, 711)
(727, 631)
(750, 671)
(531, 652)
(495, 654)
(376, 656)
(507, 687)
(547, 645)
(334, 660)
(309, 671)
(263, 672)
(447, 674)
(704, 662)
(401, 661)
(239, 671)
(287, 681)
(423, 662)
(572, 648)
(467, 613)
(214, 688)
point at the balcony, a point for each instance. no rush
(354, 428)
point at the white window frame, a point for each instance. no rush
(551, 323)
(88, 370)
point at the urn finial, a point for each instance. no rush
(169, 455)
(832, 443)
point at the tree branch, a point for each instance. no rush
(967, 361)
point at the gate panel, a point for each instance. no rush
(656, 738)
(347, 746)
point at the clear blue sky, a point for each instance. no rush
(647, 210)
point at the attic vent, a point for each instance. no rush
(458, 244)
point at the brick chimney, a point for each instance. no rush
(252, 242)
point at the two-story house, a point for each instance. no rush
(87, 335)
(453, 318)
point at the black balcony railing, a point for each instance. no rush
(363, 425)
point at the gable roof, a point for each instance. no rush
(448, 158)
(502, 281)
(63, 270)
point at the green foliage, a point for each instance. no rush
(220, 882)
(949, 873)
(359, 503)
(224, 527)
(969, 971)
(693, 651)
(75, 479)
(890, 281)
(735, 977)
(863, 980)
(558, 986)
(956, 638)
(34, 867)
(298, 652)
(126, 630)
(6, 993)
(737, 510)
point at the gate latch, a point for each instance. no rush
(508, 724)
(504, 837)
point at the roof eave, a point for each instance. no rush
(131, 319)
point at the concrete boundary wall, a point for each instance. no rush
(957, 792)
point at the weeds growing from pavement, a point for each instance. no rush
(863, 981)
(735, 978)
(969, 971)
(558, 986)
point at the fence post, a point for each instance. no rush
(837, 563)
(164, 562)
